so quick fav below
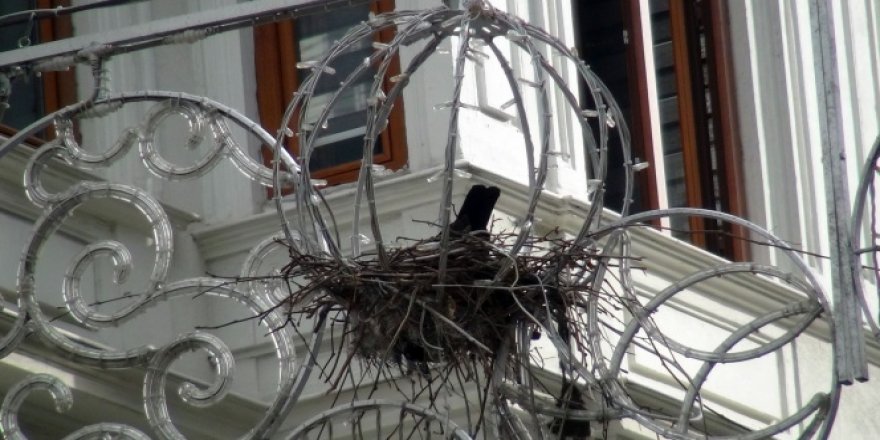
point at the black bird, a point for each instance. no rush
(476, 210)
(570, 398)
(474, 215)
(412, 355)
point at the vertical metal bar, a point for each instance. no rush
(849, 344)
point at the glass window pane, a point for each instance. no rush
(341, 140)
(26, 101)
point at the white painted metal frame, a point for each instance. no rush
(310, 231)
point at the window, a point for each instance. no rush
(279, 46)
(668, 64)
(32, 97)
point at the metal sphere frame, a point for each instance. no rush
(593, 365)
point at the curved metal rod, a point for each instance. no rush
(616, 238)
(598, 92)
(282, 336)
(307, 133)
(867, 176)
(544, 123)
(48, 223)
(816, 404)
(449, 157)
(734, 338)
(151, 95)
(376, 404)
(636, 219)
(380, 112)
(148, 95)
(545, 404)
(63, 399)
(365, 175)
(643, 318)
(521, 114)
(617, 229)
(155, 399)
(869, 170)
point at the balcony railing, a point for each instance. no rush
(526, 331)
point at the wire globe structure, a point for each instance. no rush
(531, 332)
(565, 290)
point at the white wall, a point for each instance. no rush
(776, 86)
(485, 139)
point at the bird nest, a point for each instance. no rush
(410, 312)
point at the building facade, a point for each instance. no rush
(742, 106)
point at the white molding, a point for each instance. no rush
(62, 175)
(664, 257)
(395, 194)
(149, 34)
(658, 161)
(115, 394)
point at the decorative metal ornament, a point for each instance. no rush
(419, 312)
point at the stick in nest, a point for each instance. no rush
(395, 315)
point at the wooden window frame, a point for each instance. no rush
(694, 119)
(640, 125)
(686, 16)
(59, 88)
(275, 60)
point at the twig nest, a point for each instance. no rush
(405, 313)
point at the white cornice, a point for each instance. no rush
(395, 194)
(666, 257)
(116, 392)
(662, 256)
(91, 219)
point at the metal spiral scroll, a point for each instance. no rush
(610, 317)
(203, 116)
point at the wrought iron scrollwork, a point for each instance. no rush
(604, 318)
